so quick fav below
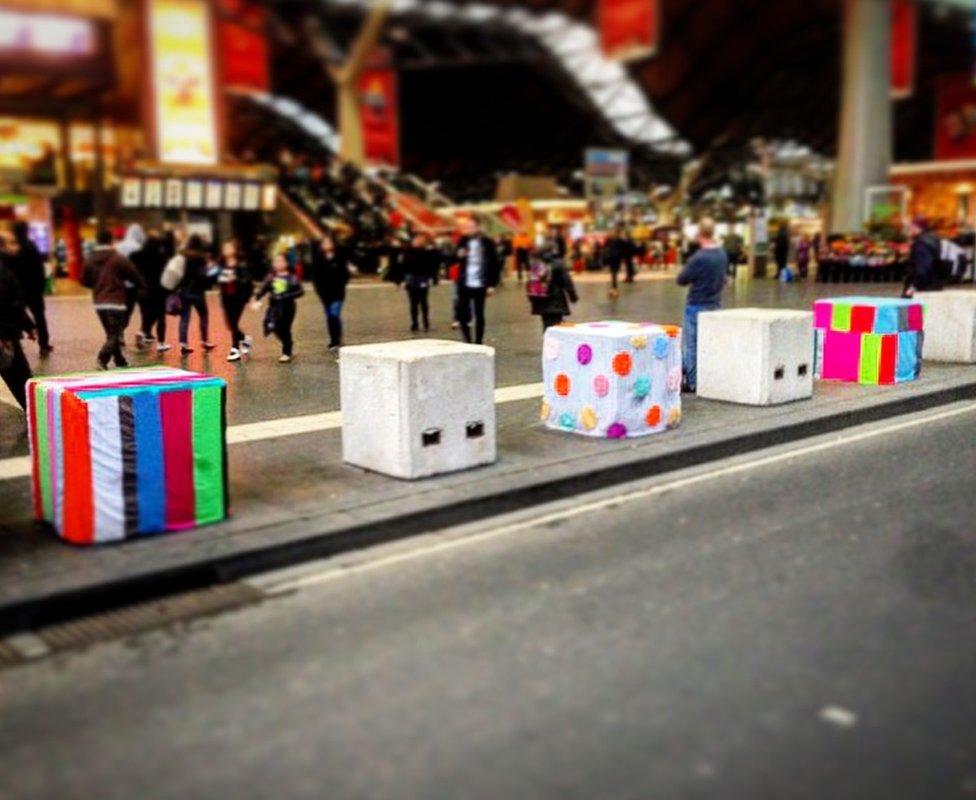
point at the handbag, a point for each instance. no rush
(174, 305)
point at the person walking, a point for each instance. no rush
(803, 248)
(781, 248)
(478, 275)
(107, 273)
(615, 253)
(924, 257)
(705, 275)
(27, 265)
(132, 242)
(236, 289)
(198, 276)
(15, 323)
(149, 260)
(283, 288)
(550, 288)
(417, 270)
(330, 276)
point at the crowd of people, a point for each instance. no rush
(170, 274)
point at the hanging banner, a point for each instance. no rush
(243, 45)
(904, 38)
(955, 117)
(629, 29)
(183, 82)
(380, 113)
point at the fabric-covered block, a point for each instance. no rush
(869, 340)
(612, 379)
(419, 408)
(950, 326)
(124, 454)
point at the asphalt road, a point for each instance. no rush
(799, 627)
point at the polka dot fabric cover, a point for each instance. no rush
(612, 380)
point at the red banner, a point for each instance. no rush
(629, 29)
(955, 117)
(243, 45)
(380, 113)
(904, 39)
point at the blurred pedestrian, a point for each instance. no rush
(107, 274)
(705, 274)
(27, 265)
(803, 249)
(199, 274)
(15, 322)
(283, 289)
(478, 275)
(330, 276)
(236, 289)
(150, 261)
(924, 257)
(550, 288)
(418, 269)
(781, 248)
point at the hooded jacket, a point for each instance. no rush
(107, 272)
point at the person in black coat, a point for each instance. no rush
(924, 257)
(150, 260)
(330, 276)
(14, 324)
(479, 272)
(418, 268)
(616, 251)
(781, 248)
(554, 306)
(199, 275)
(27, 265)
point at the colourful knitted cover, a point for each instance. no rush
(870, 340)
(612, 379)
(122, 454)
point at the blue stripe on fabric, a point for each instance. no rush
(150, 474)
(908, 365)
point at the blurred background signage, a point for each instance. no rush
(903, 48)
(629, 29)
(183, 82)
(46, 34)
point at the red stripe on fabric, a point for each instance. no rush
(35, 456)
(79, 504)
(862, 319)
(176, 410)
(915, 317)
(889, 359)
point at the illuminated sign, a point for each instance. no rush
(183, 82)
(46, 34)
(194, 193)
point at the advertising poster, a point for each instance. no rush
(215, 195)
(955, 117)
(152, 193)
(903, 48)
(174, 194)
(183, 82)
(193, 194)
(232, 197)
(252, 197)
(380, 114)
(131, 193)
(629, 29)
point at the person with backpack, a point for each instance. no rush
(924, 261)
(550, 287)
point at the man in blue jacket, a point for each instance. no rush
(704, 274)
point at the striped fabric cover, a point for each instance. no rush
(128, 453)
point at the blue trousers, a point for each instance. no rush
(689, 342)
(333, 319)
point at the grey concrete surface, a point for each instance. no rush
(803, 629)
(289, 489)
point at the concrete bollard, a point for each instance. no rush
(755, 356)
(950, 326)
(418, 408)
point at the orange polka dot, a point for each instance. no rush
(622, 364)
(562, 384)
(653, 418)
(671, 330)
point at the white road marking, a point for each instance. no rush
(331, 571)
(836, 715)
(12, 468)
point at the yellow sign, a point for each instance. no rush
(183, 81)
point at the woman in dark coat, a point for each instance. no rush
(330, 275)
(417, 270)
(199, 275)
(554, 305)
(14, 323)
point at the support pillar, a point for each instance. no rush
(864, 147)
(98, 180)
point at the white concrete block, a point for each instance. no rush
(950, 326)
(418, 408)
(755, 356)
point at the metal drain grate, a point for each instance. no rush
(148, 616)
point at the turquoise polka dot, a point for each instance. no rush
(567, 421)
(642, 388)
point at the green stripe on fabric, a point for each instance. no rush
(870, 358)
(208, 454)
(43, 452)
(840, 319)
